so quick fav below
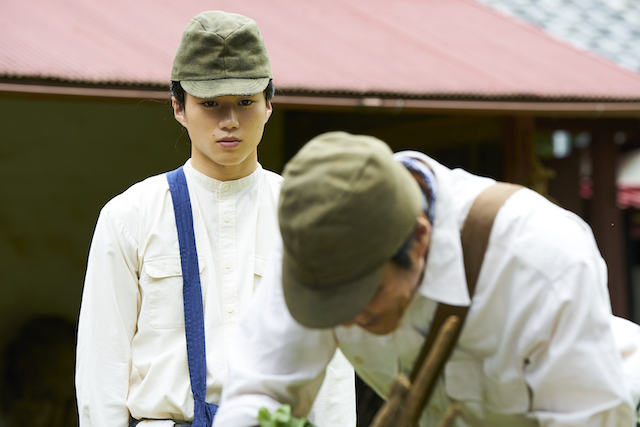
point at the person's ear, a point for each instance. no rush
(178, 111)
(422, 234)
(268, 112)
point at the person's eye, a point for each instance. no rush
(246, 102)
(209, 103)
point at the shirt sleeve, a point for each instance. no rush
(627, 337)
(107, 323)
(576, 374)
(275, 360)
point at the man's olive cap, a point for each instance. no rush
(346, 207)
(221, 54)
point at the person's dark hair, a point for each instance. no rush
(402, 256)
(177, 92)
(269, 91)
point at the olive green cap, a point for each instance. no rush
(345, 209)
(221, 54)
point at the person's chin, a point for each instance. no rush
(382, 328)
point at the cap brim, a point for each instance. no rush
(327, 307)
(224, 87)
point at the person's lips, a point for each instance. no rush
(229, 142)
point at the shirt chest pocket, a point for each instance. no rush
(465, 381)
(161, 282)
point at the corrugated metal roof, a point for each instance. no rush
(610, 28)
(415, 47)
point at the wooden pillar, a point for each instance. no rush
(521, 163)
(606, 219)
(518, 140)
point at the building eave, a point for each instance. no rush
(401, 103)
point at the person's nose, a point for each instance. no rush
(229, 119)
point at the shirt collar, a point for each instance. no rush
(217, 185)
(444, 278)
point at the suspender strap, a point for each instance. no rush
(203, 412)
(477, 228)
(475, 238)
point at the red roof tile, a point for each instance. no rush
(415, 47)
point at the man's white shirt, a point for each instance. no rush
(131, 355)
(538, 347)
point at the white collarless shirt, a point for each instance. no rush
(131, 341)
(539, 346)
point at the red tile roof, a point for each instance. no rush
(447, 48)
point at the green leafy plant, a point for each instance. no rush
(281, 418)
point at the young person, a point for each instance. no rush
(371, 245)
(136, 361)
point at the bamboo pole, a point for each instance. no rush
(407, 400)
(386, 415)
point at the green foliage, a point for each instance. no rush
(281, 418)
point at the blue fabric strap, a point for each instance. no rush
(203, 412)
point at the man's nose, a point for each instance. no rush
(229, 119)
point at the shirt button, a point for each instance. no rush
(229, 309)
(226, 218)
(226, 187)
(227, 264)
(176, 269)
(358, 360)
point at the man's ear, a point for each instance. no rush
(422, 234)
(178, 111)
(268, 113)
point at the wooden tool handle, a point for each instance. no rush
(388, 414)
(449, 417)
(422, 388)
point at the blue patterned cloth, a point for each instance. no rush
(427, 181)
